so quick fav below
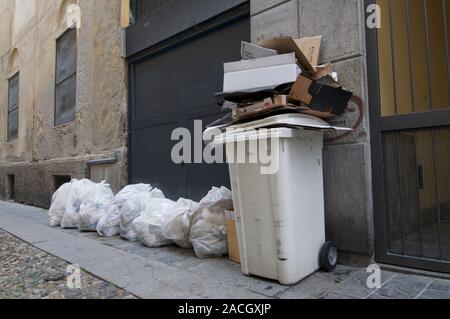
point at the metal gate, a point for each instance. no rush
(409, 92)
(176, 53)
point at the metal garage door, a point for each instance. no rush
(172, 84)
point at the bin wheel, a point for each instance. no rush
(329, 256)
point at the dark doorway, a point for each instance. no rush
(60, 180)
(11, 187)
(173, 85)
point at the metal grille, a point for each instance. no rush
(417, 192)
(141, 8)
(66, 77)
(413, 49)
(13, 107)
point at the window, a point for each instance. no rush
(13, 107)
(66, 77)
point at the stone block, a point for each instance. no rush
(278, 21)
(256, 6)
(348, 197)
(339, 21)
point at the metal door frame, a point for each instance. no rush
(379, 124)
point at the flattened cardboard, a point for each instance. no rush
(300, 90)
(280, 99)
(310, 48)
(233, 244)
(254, 108)
(306, 50)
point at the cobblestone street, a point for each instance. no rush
(29, 273)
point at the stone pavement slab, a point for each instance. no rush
(356, 286)
(403, 287)
(319, 284)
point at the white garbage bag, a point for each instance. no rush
(149, 224)
(132, 209)
(208, 232)
(78, 191)
(157, 193)
(109, 224)
(95, 206)
(178, 227)
(58, 205)
(129, 190)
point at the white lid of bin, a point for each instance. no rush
(296, 121)
(292, 121)
(242, 136)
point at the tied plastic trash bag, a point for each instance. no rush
(58, 205)
(109, 223)
(95, 206)
(132, 209)
(149, 224)
(76, 195)
(178, 227)
(208, 232)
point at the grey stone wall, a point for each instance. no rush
(348, 191)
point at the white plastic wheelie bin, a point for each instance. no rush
(280, 214)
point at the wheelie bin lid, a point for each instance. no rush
(296, 121)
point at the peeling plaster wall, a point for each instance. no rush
(100, 127)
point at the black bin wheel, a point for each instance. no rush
(329, 256)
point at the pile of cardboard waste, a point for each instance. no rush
(281, 76)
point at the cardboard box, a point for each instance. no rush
(306, 50)
(244, 65)
(252, 109)
(260, 78)
(280, 99)
(324, 101)
(253, 51)
(310, 48)
(233, 244)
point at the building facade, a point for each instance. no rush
(72, 96)
(387, 183)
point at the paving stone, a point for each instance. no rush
(435, 294)
(357, 285)
(379, 297)
(439, 289)
(403, 287)
(439, 284)
(318, 284)
(334, 295)
(268, 289)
